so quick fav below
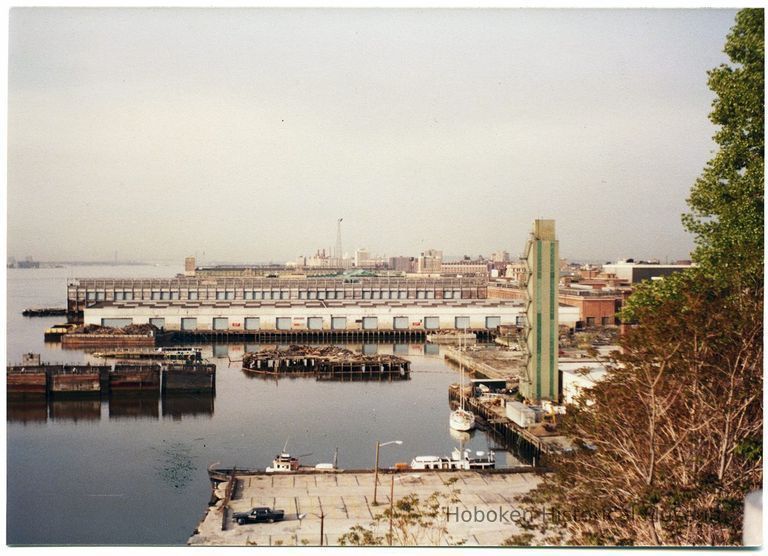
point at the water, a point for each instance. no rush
(134, 472)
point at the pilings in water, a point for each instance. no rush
(295, 336)
(505, 431)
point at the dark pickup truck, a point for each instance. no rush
(258, 515)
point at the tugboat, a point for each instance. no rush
(286, 463)
(283, 463)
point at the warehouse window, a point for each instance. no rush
(315, 323)
(252, 323)
(220, 323)
(189, 323)
(283, 323)
(339, 323)
(400, 323)
(370, 323)
(431, 323)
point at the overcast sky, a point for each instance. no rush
(244, 134)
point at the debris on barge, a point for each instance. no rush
(327, 363)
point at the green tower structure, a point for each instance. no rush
(541, 380)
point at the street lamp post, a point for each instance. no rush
(321, 515)
(391, 506)
(376, 468)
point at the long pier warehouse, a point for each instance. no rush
(86, 291)
(315, 315)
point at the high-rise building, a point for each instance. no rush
(541, 381)
(500, 257)
(361, 257)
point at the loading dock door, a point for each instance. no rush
(462, 322)
(189, 323)
(116, 323)
(370, 323)
(283, 323)
(400, 323)
(431, 323)
(220, 323)
(159, 322)
(252, 323)
(315, 323)
(339, 323)
(492, 322)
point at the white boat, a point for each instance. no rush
(459, 460)
(286, 463)
(461, 419)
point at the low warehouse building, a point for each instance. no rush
(314, 315)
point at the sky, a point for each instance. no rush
(242, 135)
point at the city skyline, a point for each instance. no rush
(245, 134)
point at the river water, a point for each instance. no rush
(134, 472)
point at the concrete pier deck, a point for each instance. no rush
(346, 499)
(489, 362)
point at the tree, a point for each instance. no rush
(668, 444)
(727, 200)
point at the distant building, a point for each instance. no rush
(189, 266)
(516, 272)
(403, 264)
(465, 268)
(361, 257)
(635, 272)
(28, 262)
(430, 261)
(500, 257)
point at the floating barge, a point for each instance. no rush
(42, 380)
(162, 354)
(44, 312)
(452, 337)
(327, 363)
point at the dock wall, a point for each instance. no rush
(81, 341)
(83, 380)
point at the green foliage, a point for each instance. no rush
(727, 200)
(360, 536)
(414, 521)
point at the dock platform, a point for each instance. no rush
(345, 499)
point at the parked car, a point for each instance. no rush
(258, 515)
